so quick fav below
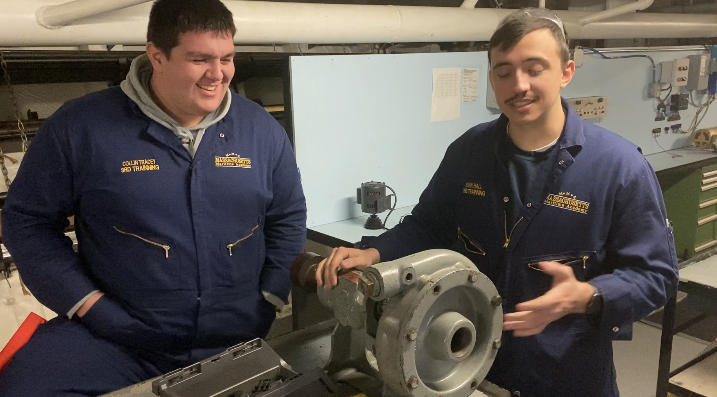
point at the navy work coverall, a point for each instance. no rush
(598, 208)
(182, 247)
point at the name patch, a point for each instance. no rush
(139, 165)
(567, 201)
(232, 160)
(474, 189)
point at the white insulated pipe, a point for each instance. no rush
(54, 16)
(260, 22)
(617, 11)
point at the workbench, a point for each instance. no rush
(698, 377)
(348, 232)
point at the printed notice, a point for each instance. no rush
(446, 98)
(470, 85)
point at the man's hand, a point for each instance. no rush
(568, 295)
(88, 304)
(343, 259)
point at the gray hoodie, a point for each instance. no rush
(136, 87)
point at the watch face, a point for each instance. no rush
(594, 305)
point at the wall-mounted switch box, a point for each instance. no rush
(675, 72)
(590, 107)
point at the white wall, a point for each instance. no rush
(630, 112)
(359, 118)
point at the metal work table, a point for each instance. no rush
(699, 378)
(703, 272)
(679, 157)
(698, 279)
(348, 232)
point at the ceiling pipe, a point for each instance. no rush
(617, 11)
(55, 16)
(260, 22)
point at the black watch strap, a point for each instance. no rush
(593, 311)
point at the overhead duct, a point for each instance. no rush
(261, 22)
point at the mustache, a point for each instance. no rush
(520, 98)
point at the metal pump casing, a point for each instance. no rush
(438, 327)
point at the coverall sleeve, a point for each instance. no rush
(34, 218)
(431, 223)
(285, 226)
(640, 256)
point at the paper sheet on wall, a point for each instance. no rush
(470, 85)
(446, 98)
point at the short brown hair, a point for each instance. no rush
(518, 24)
(170, 18)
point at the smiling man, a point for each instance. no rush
(188, 211)
(570, 224)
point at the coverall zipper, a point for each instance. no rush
(505, 224)
(563, 261)
(166, 247)
(230, 246)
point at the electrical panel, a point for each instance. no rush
(675, 72)
(698, 72)
(590, 107)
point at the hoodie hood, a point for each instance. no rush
(136, 87)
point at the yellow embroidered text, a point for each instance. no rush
(474, 189)
(139, 165)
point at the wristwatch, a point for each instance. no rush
(593, 310)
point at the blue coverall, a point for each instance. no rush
(599, 209)
(182, 247)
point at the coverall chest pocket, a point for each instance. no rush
(471, 249)
(153, 262)
(243, 255)
(535, 280)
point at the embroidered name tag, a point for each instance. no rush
(232, 160)
(567, 201)
(139, 165)
(474, 189)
